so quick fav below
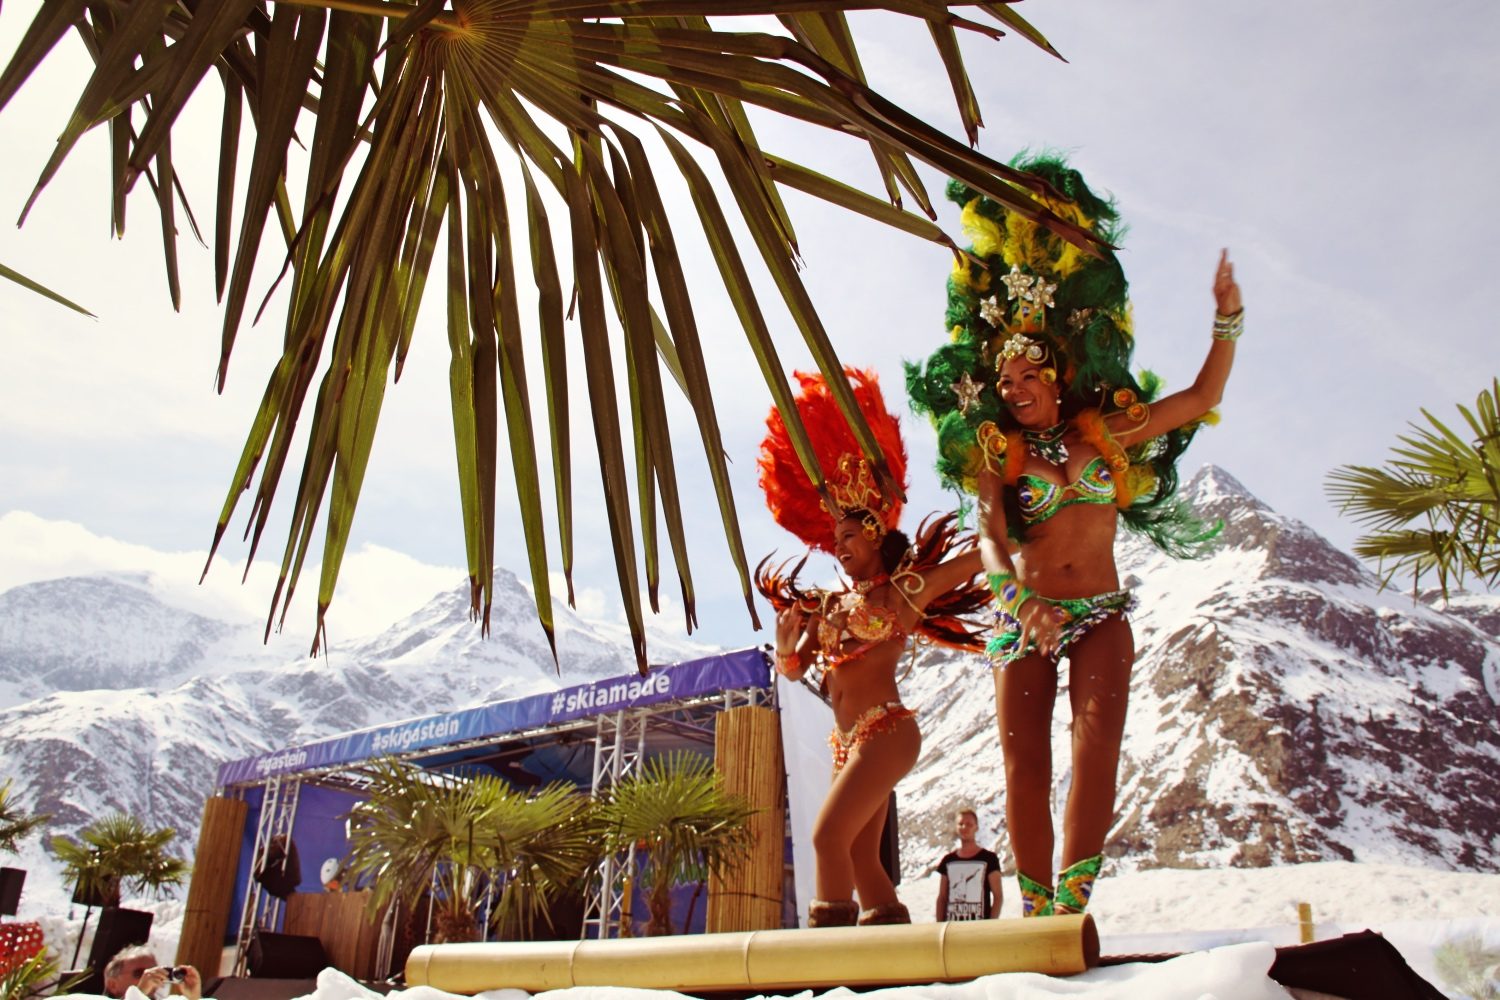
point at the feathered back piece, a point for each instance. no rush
(955, 619)
(1030, 292)
(790, 495)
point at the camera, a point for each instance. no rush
(177, 974)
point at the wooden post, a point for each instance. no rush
(747, 755)
(1305, 922)
(211, 890)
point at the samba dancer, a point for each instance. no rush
(856, 636)
(1039, 415)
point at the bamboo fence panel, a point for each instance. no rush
(747, 755)
(211, 890)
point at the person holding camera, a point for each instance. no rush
(136, 966)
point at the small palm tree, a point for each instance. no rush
(116, 851)
(15, 822)
(676, 809)
(1435, 506)
(466, 838)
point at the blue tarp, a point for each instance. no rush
(744, 668)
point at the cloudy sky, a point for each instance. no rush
(1342, 150)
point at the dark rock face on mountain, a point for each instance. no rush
(1283, 709)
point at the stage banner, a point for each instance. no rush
(746, 668)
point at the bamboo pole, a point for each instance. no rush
(856, 957)
(211, 890)
(747, 755)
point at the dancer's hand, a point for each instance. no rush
(1226, 289)
(790, 624)
(1042, 623)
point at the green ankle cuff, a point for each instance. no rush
(1036, 898)
(1075, 884)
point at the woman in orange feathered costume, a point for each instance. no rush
(856, 635)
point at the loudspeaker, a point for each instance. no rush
(91, 895)
(118, 929)
(11, 880)
(286, 956)
(280, 872)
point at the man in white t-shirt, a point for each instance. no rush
(970, 885)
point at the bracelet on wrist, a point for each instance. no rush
(786, 663)
(1229, 327)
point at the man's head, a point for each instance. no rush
(967, 826)
(124, 970)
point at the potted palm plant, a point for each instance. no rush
(492, 856)
(119, 850)
(683, 823)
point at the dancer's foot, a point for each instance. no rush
(1036, 898)
(832, 913)
(1075, 884)
(889, 913)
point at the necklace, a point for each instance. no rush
(865, 586)
(1048, 444)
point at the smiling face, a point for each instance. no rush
(856, 552)
(1027, 394)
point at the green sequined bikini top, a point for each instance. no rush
(1041, 499)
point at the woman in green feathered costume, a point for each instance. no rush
(1038, 415)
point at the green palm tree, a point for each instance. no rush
(119, 850)
(15, 822)
(676, 811)
(456, 124)
(466, 838)
(1434, 507)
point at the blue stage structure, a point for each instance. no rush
(590, 735)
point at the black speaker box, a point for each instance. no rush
(11, 880)
(286, 956)
(117, 929)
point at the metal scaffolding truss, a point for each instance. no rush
(262, 911)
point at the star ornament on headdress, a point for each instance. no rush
(1022, 346)
(991, 311)
(967, 390)
(1017, 284)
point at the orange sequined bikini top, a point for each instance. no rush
(871, 624)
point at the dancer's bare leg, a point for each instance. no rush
(1025, 692)
(1099, 690)
(855, 805)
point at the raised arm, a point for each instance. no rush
(796, 642)
(1172, 411)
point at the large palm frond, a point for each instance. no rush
(453, 122)
(1435, 505)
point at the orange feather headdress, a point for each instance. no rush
(794, 503)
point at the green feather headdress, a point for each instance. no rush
(1075, 304)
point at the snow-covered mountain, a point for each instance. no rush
(1283, 709)
(121, 699)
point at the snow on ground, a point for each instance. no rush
(1229, 919)
(1351, 895)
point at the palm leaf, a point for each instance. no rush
(406, 102)
(1434, 507)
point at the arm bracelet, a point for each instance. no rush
(1010, 593)
(787, 663)
(1229, 327)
